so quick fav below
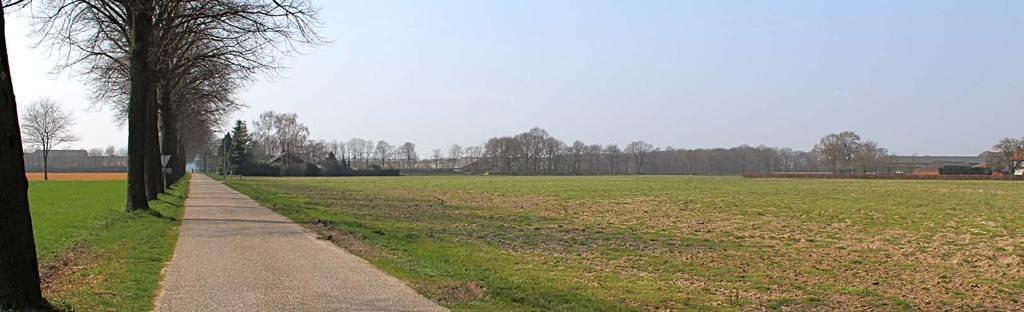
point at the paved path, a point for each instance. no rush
(235, 255)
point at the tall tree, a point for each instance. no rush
(837, 149)
(133, 46)
(1004, 150)
(436, 157)
(408, 154)
(612, 152)
(638, 150)
(383, 151)
(455, 154)
(240, 149)
(19, 269)
(46, 126)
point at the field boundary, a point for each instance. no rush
(880, 176)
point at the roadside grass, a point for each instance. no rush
(674, 243)
(100, 258)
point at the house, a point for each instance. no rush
(1018, 163)
(288, 159)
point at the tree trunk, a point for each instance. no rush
(141, 13)
(154, 169)
(19, 270)
(169, 127)
(46, 167)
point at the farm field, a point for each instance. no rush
(79, 176)
(92, 255)
(674, 243)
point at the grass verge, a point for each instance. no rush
(116, 266)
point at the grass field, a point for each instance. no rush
(95, 257)
(674, 243)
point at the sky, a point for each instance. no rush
(919, 77)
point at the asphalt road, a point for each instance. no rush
(235, 255)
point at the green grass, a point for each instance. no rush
(675, 243)
(66, 213)
(100, 258)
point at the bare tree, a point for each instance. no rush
(436, 156)
(837, 149)
(455, 154)
(408, 153)
(639, 150)
(137, 49)
(613, 153)
(383, 151)
(45, 125)
(356, 146)
(869, 156)
(1004, 150)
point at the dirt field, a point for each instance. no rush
(102, 176)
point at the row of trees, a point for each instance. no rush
(537, 152)
(276, 134)
(170, 69)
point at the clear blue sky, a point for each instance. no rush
(925, 77)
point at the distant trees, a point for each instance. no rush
(384, 152)
(455, 154)
(407, 152)
(536, 152)
(870, 157)
(45, 125)
(278, 134)
(436, 156)
(847, 151)
(1003, 152)
(638, 151)
(836, 149)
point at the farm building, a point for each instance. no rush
(936, 165)
(1018, 163)
(75, 161)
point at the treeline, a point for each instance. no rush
(169, 68)
(280, 146)
(537, 152)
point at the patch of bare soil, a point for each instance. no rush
(344, 239)
(54, 274)
(453, 292)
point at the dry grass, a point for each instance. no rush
(79, 176)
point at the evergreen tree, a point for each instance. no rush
(240, 145)
(331, 165)
(224, 153)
